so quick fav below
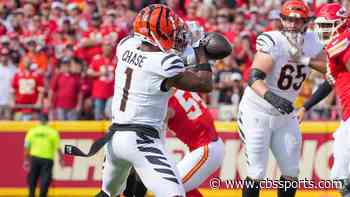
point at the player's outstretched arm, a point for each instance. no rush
(322, 92)
(262, 65)
(200, 81)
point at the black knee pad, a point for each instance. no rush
(102, 194)
(286, 191)
(251, 188)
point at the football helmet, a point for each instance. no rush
(331, 19)
(295, 17)
(158, 25)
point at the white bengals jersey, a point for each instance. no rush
(138, 97)
(287, 75)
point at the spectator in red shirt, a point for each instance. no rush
(125, 17)
(89, 9)
(177, 7)
(76, 18)
(37, 56)
(192, 13)
(102, 71)
(28, 90)
(92, 39)
(17, 20)
(224, 25)
(65, 92)
(111, 30)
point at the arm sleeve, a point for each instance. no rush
(322, 92)
(266, 44)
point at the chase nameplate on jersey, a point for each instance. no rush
(133, 58)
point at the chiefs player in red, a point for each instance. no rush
(332, 26)
(191, 121)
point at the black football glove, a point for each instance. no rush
(283, 105)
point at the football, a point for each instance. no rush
(217, 46)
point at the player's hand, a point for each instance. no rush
(283, 105)
(26, 165)
(301, 114)
(201, 55)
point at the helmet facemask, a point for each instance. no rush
(326, 29)
(294, 29)
(331, 20)
(182, 38)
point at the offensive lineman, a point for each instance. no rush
(332, 26)
(146, 71)
(266, 115)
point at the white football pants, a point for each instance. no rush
(260, 131)
(200, 163)
(150, 160)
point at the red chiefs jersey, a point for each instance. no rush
(26, 86)
(90, 52)
(338, 51)
(192, 123)
(102, 86)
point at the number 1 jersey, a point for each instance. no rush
(287, 75)
(139, 96)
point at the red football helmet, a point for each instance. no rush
(331, 20)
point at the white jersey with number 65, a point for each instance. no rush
(288, 74)
(138, 94)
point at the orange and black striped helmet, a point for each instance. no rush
(159, 25)
(295, 8)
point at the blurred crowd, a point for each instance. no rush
(57, 57)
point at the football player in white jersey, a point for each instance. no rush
(266, 116)
(147, 68)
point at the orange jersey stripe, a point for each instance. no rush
(198, 165)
